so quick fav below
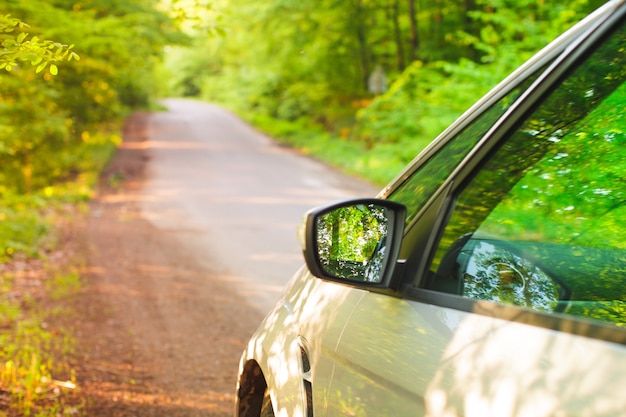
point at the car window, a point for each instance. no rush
(541, 224)
(420, 186)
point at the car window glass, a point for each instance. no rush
(420, 186)
(541, 225)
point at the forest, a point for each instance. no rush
(361, 84)
(384, 75)
(369, 81)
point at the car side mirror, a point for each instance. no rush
(355, 241)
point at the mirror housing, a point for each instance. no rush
(354, 241)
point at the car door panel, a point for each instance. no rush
(387, 356)
(495, 367)
(322, 309)
(435, 361)
(306, 322)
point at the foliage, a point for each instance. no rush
(311, 60)
(32, 366)
(47, 123)
(22, 230)
(28, 353)
(56, 134)
(351, 241)
(38, 52)
(352, 156)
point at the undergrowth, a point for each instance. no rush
(34, 375)
(36, 378)
(353, 157)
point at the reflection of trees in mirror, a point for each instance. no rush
(351, 242)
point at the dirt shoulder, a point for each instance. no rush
(157, 333)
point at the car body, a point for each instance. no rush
(488, 279)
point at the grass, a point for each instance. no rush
(378, 165)
(35, 376)
(33, 371)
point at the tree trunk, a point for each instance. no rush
(398, 35)
(415, 41)
(362, 42)
(438, 23)
(27, 172)
(471, 26)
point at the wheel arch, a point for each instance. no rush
(251, 390)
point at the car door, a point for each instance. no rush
(517, 263)
(388, 355)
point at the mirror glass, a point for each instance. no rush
(351, 242)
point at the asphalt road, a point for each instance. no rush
(234, 197)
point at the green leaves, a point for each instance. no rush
(21, 37)
(51, 99)
(37, 52)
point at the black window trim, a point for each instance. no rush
(578, 326)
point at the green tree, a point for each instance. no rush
(308, 62)
(39, 52)
(46, 122)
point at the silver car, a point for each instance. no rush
(488, 279)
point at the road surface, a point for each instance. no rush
(233, 196)
(185, 256)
